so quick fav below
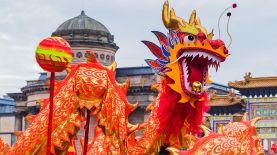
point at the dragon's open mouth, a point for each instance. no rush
(194, 65)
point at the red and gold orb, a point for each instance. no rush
(53, 54)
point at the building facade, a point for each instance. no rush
(7, 119)
(224, 108)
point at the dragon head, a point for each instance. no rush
(185, 55)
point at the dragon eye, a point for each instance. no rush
(189, 38)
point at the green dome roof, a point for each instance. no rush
(85, 31)
(82, 22)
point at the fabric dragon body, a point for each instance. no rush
(183, 59)
(238, 138)
(89, 86)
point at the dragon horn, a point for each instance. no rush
(210, 35)
(206, 130)
(199, 26)
(166, 19)
(172, 21)
(192, 18)
(255, 120)
(198, 22)
(172, 14)
(175, 21)
(245, 116)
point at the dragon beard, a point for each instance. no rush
(173, 115)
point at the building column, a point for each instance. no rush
(248, 107)
(269, 145)
(18, 121)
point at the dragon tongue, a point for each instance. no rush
(196, 74)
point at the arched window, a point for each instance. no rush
(102, 56)
(108, 57)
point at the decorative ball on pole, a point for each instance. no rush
(53, 54)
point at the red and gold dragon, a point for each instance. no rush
(239, 138)
(183, 59)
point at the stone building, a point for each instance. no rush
(7, 119)
(141, 79)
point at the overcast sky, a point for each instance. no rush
(24, 23)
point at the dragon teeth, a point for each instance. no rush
(200, 54)
(213, 61)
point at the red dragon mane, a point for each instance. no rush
(173, 115)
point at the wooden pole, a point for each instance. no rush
(86, 132)
(50, 118)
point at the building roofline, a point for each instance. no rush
(250, 82)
